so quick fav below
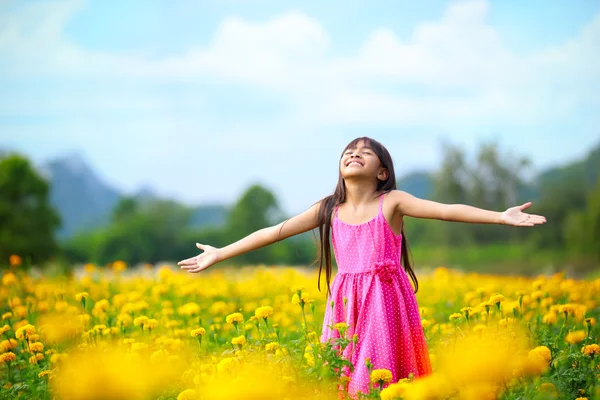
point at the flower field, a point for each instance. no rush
(253, 333)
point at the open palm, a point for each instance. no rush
(202, 261)
(516, 217)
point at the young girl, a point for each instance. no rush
(371, 291)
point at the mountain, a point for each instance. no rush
(419, 184)
(85, 202)
(585, 171)
(213, 215)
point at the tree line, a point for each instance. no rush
(155, 230)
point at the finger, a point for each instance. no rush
(525, 206)
(200, 246)
(537, 219)
(189, 266)
(189, 261)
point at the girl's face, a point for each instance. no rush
(361, 162)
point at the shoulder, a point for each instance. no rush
(397, 197)
(400, 201)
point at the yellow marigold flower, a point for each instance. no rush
(119, 266)
(341, 327)
(102, 305)
(197, 332)
(549, 318)
(8, 344)
(425, 323)
(479, 328)
(381, 376)
(46, 373)
(264, 312)
(227, 365)
(82, 295)
(239, 340)
(124, 319)
(36, 347)
(9, 279)
(543, 352)
(188, 394)
(151, 324)
(590, 349)
(98, 328)
(567, 308)
(140, 321)
(272, 346)
(4, 329)
(25, 331)
(590, 321)
(6, 315)
(538, 283)
(295, 299)
(20, 311)
(537, 295)
(485, 304)
(89, 267)
(301, 299)
(180, 332)
(189, 309)
(235, 317)
(7, 357)
(394, 391)
(575, 337)
(496, 299)
(296, 289)
(455, 316)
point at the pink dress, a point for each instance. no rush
(381, 305)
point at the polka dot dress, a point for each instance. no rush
(381, 307)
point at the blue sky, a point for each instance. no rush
(200, 99)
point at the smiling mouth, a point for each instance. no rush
(354, 163)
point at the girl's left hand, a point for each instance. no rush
(514, 216)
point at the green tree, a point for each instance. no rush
(493, 182)
(27, 220)
(150, 231)
(582, 228)
(256, 209)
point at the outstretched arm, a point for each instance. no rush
(407, 204)
(300, 223)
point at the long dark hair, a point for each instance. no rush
(339, 196)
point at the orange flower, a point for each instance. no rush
(14, 260)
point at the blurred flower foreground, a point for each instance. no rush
(253, 333)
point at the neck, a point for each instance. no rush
(360, 192)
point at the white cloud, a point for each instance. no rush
(452, 76)
(291, 55)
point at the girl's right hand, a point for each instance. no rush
(201, 261)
